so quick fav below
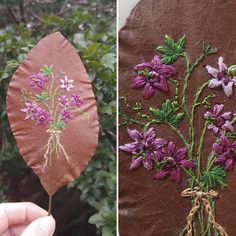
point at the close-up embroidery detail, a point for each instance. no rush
(50, 105)
(164, 157)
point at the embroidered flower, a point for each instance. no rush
(226, 152)
(223, 76)
(30, 110)
(220, 121)
(152, 76)
(64, 101)
(42, 116)
(67, 84)
(170, 161)
(76, 100)
(66, 115)
(38, 81)
(143, 148)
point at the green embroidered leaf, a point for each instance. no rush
(215, 177)
(43, 97)
(167, 114)
(171, 50)
(60, 124)
(47, 70)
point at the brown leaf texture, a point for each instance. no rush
(148, 207)
(57, 157)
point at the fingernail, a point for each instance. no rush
(47, 224)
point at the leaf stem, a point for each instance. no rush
(131, 120)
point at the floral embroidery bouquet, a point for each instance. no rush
(163, 157)
(50, 106)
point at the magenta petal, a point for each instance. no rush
(182, 152)
(147, 165)
(229, 164)
(134, 134)
(220, 159)
(129, 147)
(162, 84)
(187, 164)
(176, 175)
(171, 148)
(224, 141)
(227, 115)
(156, 61)
(217, 148)
(136, 162)
(148, 91)
(218, 108)
(208, 115)
(159, 142)
(228, 126)
(161, 174)
(214, 128)
(138, 82)
(143, 66)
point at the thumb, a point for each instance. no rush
(44, 226)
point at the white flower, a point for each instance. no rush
(67, 83)
(223, 76)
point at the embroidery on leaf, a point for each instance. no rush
(50, 106)
(162, 156)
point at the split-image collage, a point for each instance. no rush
(117, 118)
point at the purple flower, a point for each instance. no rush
(67, 84)
(30, 110)
(66, 115)
(64, 101)
(220, 121)
(170, 161)
(226, 153)
(38, 81)
(33, 112)
(76, 100)
(42, 116)
(152, 76)
(223, 76)
(143, 148)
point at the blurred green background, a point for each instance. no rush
(87, 206)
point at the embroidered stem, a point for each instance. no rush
(191, 121)
(176, 82)
(199, 151)
(177, 131)
(130, 120)
(202, 199)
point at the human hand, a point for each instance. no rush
(25, 219)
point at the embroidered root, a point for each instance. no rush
(202, 199)
(54, 146)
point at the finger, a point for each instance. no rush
(15, 230)
(19, 213)
(44, 226)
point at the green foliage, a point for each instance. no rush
(47, 70)
(60, 124)
(215, 177)
(167, 113)
(171, 50)
(91, 28)
(43, 97)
